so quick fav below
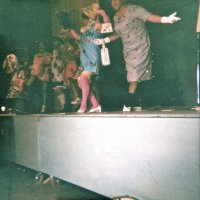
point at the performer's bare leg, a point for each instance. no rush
(132, 87)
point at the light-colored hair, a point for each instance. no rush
(11, 58)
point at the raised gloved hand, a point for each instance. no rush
(101, 41)
(101, 12)
(170, 19)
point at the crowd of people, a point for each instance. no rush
(65, 78)
(47, 83)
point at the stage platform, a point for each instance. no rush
(153, 154)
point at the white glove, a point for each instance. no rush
(170, 19)
(101, 41)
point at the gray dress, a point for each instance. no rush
(136, 43)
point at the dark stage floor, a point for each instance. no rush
(18, 183)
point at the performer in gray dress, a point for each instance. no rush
(129, 25)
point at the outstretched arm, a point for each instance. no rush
(106, 26)
(105, 17)
(164, 20)
(111, 38)
(75, 35)
(154, 19)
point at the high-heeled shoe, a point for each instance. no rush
(80, 111)
(95, 110)
(126, 109)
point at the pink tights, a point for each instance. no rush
(83, 83)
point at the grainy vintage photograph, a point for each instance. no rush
(99, 100)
